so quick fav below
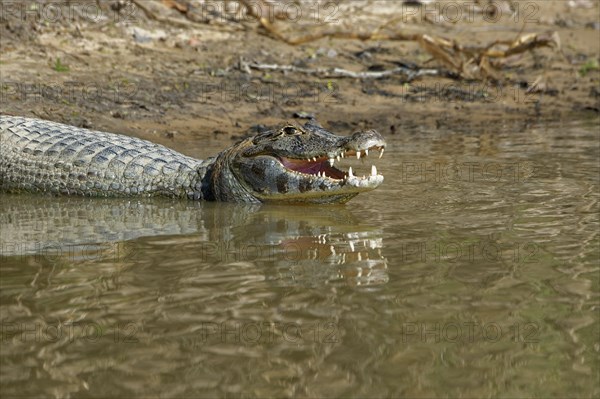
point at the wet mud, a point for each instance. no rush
(180, 73)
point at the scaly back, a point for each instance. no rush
(51, 157)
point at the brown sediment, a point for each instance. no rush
(192, 80)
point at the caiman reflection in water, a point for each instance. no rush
(294, 244)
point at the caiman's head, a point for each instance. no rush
(296, 164)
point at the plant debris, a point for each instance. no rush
(468, 61)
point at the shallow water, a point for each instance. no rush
(472, 272)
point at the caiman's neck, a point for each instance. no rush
(219, 182)
(213, 180)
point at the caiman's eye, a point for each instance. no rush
(290, 130)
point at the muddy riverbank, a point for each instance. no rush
(182, 78)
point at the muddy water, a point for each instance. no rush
(472, 272)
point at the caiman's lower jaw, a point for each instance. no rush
(323, 168)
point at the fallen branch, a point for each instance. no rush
(466, 61)
(342, 73)
(474, 61)
(524, 43)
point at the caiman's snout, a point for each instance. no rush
(365, 141)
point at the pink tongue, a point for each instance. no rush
(302, 166)
(309, 169)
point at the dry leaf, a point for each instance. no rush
(182, 8)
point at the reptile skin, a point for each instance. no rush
(290, 164)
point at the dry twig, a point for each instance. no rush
(342, 73)
(467, 61)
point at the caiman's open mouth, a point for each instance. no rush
(323, 166)
(298, 164)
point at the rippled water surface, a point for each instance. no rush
(472, 272)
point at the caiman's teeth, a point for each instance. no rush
(331, 161)
(373, 170)
(366, 152)
(343, 154)
(338, 158)
(381, 152)
(314, 159)
(357, 154)
(350, 172)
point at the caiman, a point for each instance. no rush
(293, 163)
